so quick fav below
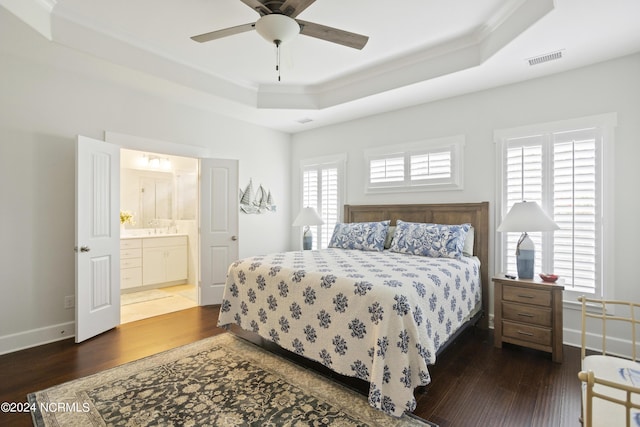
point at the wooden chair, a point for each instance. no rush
(610, 382)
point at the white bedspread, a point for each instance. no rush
(378, 316)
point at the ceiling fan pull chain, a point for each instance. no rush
(277, 42)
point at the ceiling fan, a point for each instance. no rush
(278, 24)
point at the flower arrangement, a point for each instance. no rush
(126, 217)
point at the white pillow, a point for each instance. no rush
(467, 249)
(390, 233)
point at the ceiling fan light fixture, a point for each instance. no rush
(276, 28)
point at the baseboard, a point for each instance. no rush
(572, 337)
(36, 337)
(615, 346)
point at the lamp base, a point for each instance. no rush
(525, 257)
(525, 261)
(307, 240)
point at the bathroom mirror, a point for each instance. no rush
(186, 195)
(155, 199)
(149, 195)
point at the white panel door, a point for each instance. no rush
(218, 226)
(97, 237)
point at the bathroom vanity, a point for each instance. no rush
(153, 260)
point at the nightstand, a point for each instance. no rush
(528, 312)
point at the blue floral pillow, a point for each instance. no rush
(433, 240)
(366, 236)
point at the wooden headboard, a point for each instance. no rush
(477, 214)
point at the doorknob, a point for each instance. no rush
(234, 238)
(82, 249)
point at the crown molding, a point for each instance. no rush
(35, 13)
(464, 52)
(60, 24)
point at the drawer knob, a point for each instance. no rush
(525, 315)
(529, 334)
(525, 296)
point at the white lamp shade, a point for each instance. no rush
(527, 217)
(307, 216)
(277, 27)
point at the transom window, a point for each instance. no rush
(426, 165)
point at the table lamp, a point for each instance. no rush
(307, 217)
(526, 216)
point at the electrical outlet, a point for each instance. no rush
(69, 301)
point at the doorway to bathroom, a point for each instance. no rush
(98, 245)
(159, 233)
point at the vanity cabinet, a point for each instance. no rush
(164, 259)
(130, 263)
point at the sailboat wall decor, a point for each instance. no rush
(257, 203)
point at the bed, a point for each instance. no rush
(381, 316)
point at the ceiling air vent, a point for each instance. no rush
(545, 58)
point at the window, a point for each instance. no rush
(561, 167)
(427, 165)
(322, 183)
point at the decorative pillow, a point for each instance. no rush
(433, 240)
(366, 236)
(389, 238)
(467, 249)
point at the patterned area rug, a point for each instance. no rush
(219, 381)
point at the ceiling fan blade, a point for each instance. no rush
(334, 35)
(201, 38)
(259, 6)
(293, 8)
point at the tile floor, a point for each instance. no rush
(153, 302)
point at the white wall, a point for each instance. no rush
(48, 95)
(612, 86)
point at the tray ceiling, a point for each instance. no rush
(418, 50)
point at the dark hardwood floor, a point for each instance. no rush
(473, 383)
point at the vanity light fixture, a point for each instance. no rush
(154, 162)
(143, 161)
(165, 164)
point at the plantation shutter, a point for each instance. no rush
(431, 166)
(310, 188)
(560, 171)
(386, 170)
(524, 177)
(320, 190)
(576, 206)
(330, 204)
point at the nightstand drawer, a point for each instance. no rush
(527, 314)
(527, 333)
(526, 295)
